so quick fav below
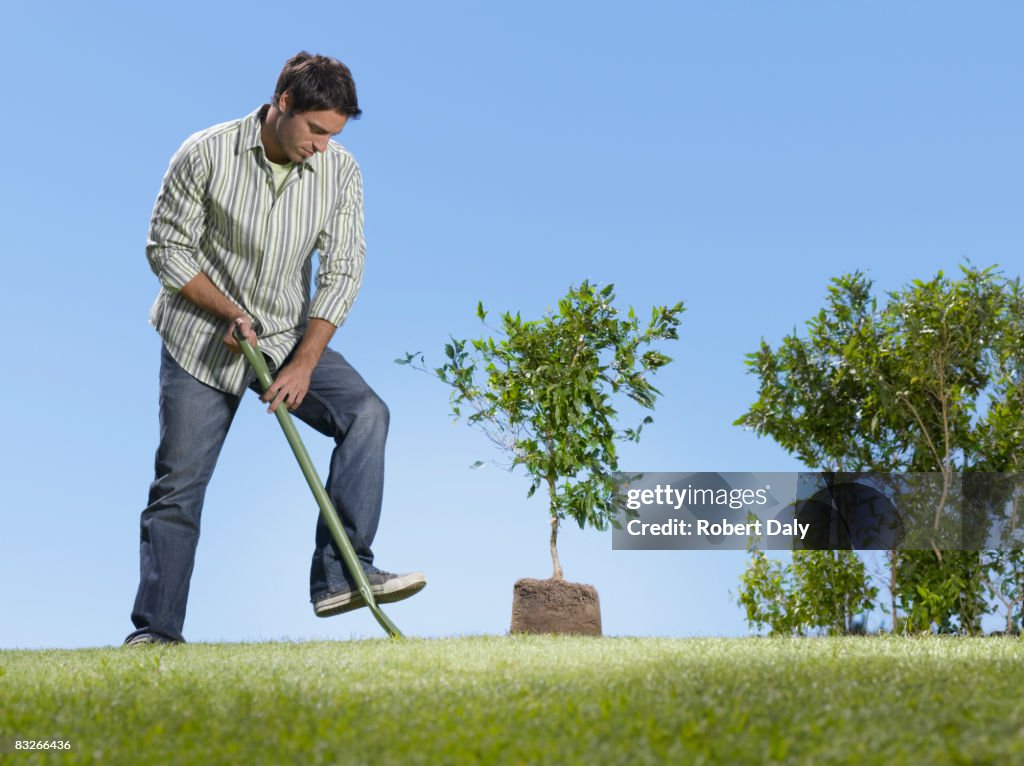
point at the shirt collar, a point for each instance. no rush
(249, 137)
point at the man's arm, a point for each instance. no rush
(178, 220)
(201, 291)
(175, 232)
(342, 250)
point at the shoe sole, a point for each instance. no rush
(147, 640)
(395, 589)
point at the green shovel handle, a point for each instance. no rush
(330, 515)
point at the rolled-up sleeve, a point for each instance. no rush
(342, 251)
(176, 227)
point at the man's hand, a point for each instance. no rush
(289, 387)
(243, 324)
(292, 383)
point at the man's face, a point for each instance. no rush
(301, 135)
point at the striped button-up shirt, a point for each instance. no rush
(217, 213)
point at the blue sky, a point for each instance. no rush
(731, 155)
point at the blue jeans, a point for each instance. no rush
(194, 421)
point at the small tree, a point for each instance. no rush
(811, 401)
(932, 381)
(833, 588)
(766, 595)
(819, 590)
(544, 393)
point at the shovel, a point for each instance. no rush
(330, 515)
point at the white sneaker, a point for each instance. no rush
(385, 587)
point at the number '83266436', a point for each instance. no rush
(41, 744)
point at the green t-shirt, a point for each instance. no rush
(280, 173)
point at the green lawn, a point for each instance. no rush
(529, 700)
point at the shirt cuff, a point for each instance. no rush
(332, 309)
(177, 270)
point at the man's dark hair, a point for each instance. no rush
(318, 83)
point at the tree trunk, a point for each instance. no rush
(1009, 618)
(554, 549)
(552, 494)
(892, 587)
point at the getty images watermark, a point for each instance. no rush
(819, 511)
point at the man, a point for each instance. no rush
(242, 208)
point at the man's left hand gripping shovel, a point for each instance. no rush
(330, 515)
